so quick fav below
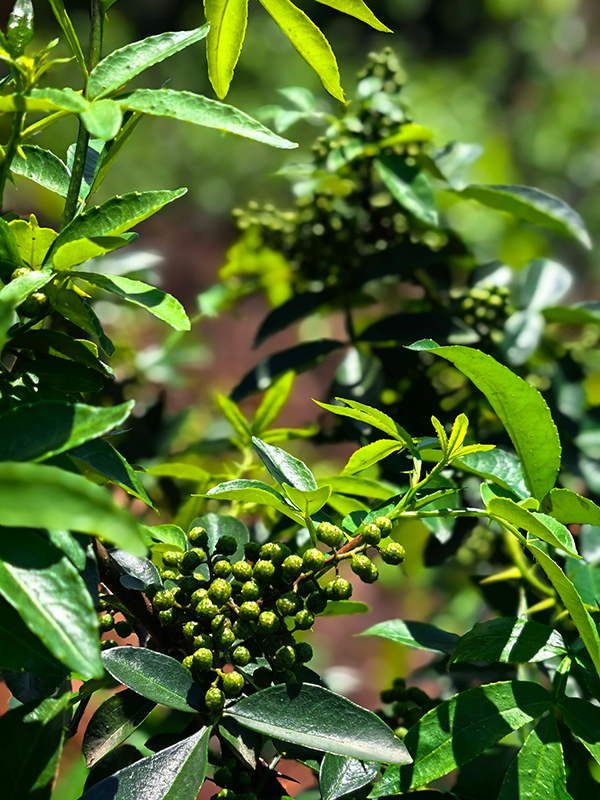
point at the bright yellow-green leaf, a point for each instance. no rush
(227, 20)
(358, 9)
(32, 241)
(309, 42)
(308, 502)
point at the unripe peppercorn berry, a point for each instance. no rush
(268, 622)
(339, 589)
(219, 591)
(371, 534)
(242, 780)
(123, 629)
(203, 659)
(198, 537)
(316, 603)
(19, 272)
(192, 559)
(189, 583)
(36, 304)
(242, 571)
(285, 657)
(242, 629)
(225, 794)
(313, 559)
(106, 622)
(371, 576)
(241, 656)
(168, 575)
(206, 610)
(223, 776)
(226, 545)
(188, 662)
(233, 683)
(225, 638)
(172, 558)
(168, 616)
(163, 600)
(360, 565)
(330, 535)
(263, 571)
(250, 611)
(251, 591)
(304, 620)
(269, 551)
(202, 640)
(222, 569)
(262, 677)
(214, 699)
(304, 652)
(251, 551)
(288, 604)
(393, 553)
(384, 524)
(198, 596)
(191, 629)
(292, 567)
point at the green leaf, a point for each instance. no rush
(19, 31)
(363, 487)
(459, 729)
(79, 311)
(235, 417)
(358, 9)
(344, 608)
(120, 66)
(32, 738)
(20, 649)
(38, 496)
(409, 186)
(521, 409)
(112, 723)
(13, 294)
(36, 431)
(246, 491)
(498, 466)
(539, 765)
(273, 402)
(572, 602)
(218, 525)
(284, 468)
(309, 42)
(199, 110)
(508, 640)
(540, 525)
(371, 454)
(42, 167)
(60, 12)
(583, 719)
(372, 417)
(175, 773)
(341, 776)
(571, 508)
(308, 502)
(155, 676)
(319, 719)
(420, 635)
(75, 253)
(532, 205)
(103, 119)
(181, 471)
(10, 258)
(56, 343)
(49, 99)
(115, 216)
(104, 459)
(140, 573)
(157, 302)
(51, 598)
(227, 20)
(33, 242)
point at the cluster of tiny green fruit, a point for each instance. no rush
(235, 621)
(404, 706)
(485, 309)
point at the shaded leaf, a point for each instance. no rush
(272, 403)
(420, 635)
(340, 776)
(538, 766)
(20, 649)
(112, 723)
(583, 719)
(507, 640)
(539, 525)
(409, 186)
(42, 167)
(14, 293)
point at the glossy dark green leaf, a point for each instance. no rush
(571, 508)
(402, 328)
(155, 676)
(199, 110)
(218, 525)
(459, 729)
(104, 459)
(297, 358)
(409, 186)
(532, 205)
(572, 602)
(507, 640)
(420, 635)
(227, 20)
(520, 407)
(498, 466)
(114, 217)
(245, 742)
(39, 496)
(154, 300)
(32, 737)
(78, 310)
(176, 773)
(539, 525)
(140, 573)
(284, 468)
(583, 719)
(70, 546)
(314, 717)
(340, 776)
(112, 723)
(61, 375)
(56, 343)
(533, 774)
(36, 431)
(19, 31)
(51, 598)
(20, 649)
(42, 167)
(248, 491)
(120, 66)
(296, 308)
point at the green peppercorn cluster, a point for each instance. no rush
(483, 308)
(349, 214)
(235, 781)
(404, 706)
(235, 621)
